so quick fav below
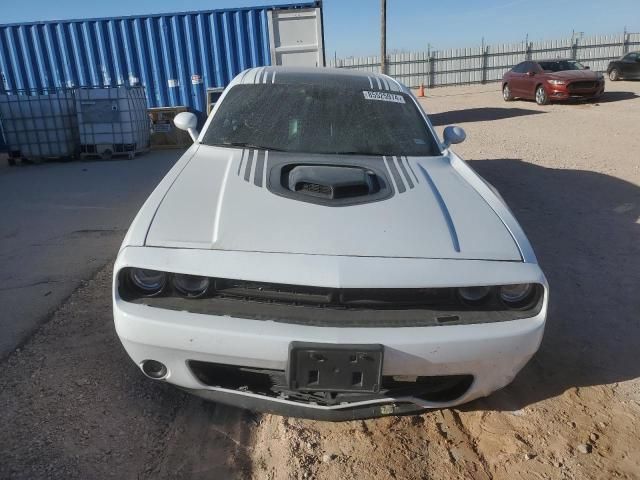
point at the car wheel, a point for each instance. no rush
(541, 96)
(614, 75)
(506, 93)
(12, 161)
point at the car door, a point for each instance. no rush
(516, 79)
(627, 64)
(632, 67)
(530, 79)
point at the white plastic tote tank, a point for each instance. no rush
(112, 121)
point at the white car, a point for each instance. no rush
(318, 252)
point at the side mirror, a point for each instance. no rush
(189, 122)
(452, 135)
(530, 73)
(587, 67)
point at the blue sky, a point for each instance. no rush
(352, 26)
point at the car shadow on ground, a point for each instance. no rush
(608, 97)
(585, 229)
(482, 114)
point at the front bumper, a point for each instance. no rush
(492, 353)
(566, 92)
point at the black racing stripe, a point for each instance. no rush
(404, 171)
(257, 177)
(241, 160)
(396, 175)
(247, 171)
(411, 168)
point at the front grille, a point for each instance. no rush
(272, 383)
(378, 298)
(581, 86)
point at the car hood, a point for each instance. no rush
(574, 75)
(216, 203)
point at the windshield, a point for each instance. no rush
(320, 119)
(561, 65)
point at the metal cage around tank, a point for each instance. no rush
(175, 56)
(39, 123)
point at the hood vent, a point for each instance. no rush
(332, 182)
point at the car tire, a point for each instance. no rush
(12, 161)
(506, 93)
(541, 96)
(614, 75)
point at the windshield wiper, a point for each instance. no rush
(247, 145)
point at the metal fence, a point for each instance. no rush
(488, 63)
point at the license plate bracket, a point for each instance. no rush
(327, 367)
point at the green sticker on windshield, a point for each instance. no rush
(383, 96)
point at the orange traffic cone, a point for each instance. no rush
(421, 90)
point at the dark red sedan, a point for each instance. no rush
(551, 80)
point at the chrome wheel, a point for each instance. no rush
(506, 93)
(541, 96)
(614, 75)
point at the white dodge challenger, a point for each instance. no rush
(319, 252)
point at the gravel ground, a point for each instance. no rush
(75, 407)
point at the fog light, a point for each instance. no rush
(154, 369)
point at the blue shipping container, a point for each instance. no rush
(175, 56)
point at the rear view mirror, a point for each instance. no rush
(452, 135)
(189, 122)
(587, 67)
(531, 73)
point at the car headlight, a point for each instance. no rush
(556, 82)
(192, 286)
(517, 295)
(149, 282)
(473, 294)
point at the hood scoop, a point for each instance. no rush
(332, 182)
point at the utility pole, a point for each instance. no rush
(383, 36)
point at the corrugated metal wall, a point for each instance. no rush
(489, 63)
(175, 56)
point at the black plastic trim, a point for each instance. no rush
(334, 307)
(264, 390)
(265, 405)
(280, 163)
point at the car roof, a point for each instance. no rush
(554, 60)
(343, 77)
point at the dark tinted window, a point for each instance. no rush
(560, 65)
(519, 68)
(320, 119)
(631, 57)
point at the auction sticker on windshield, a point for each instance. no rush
(383, 96)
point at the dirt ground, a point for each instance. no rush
(74, 406)
(571, 174)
